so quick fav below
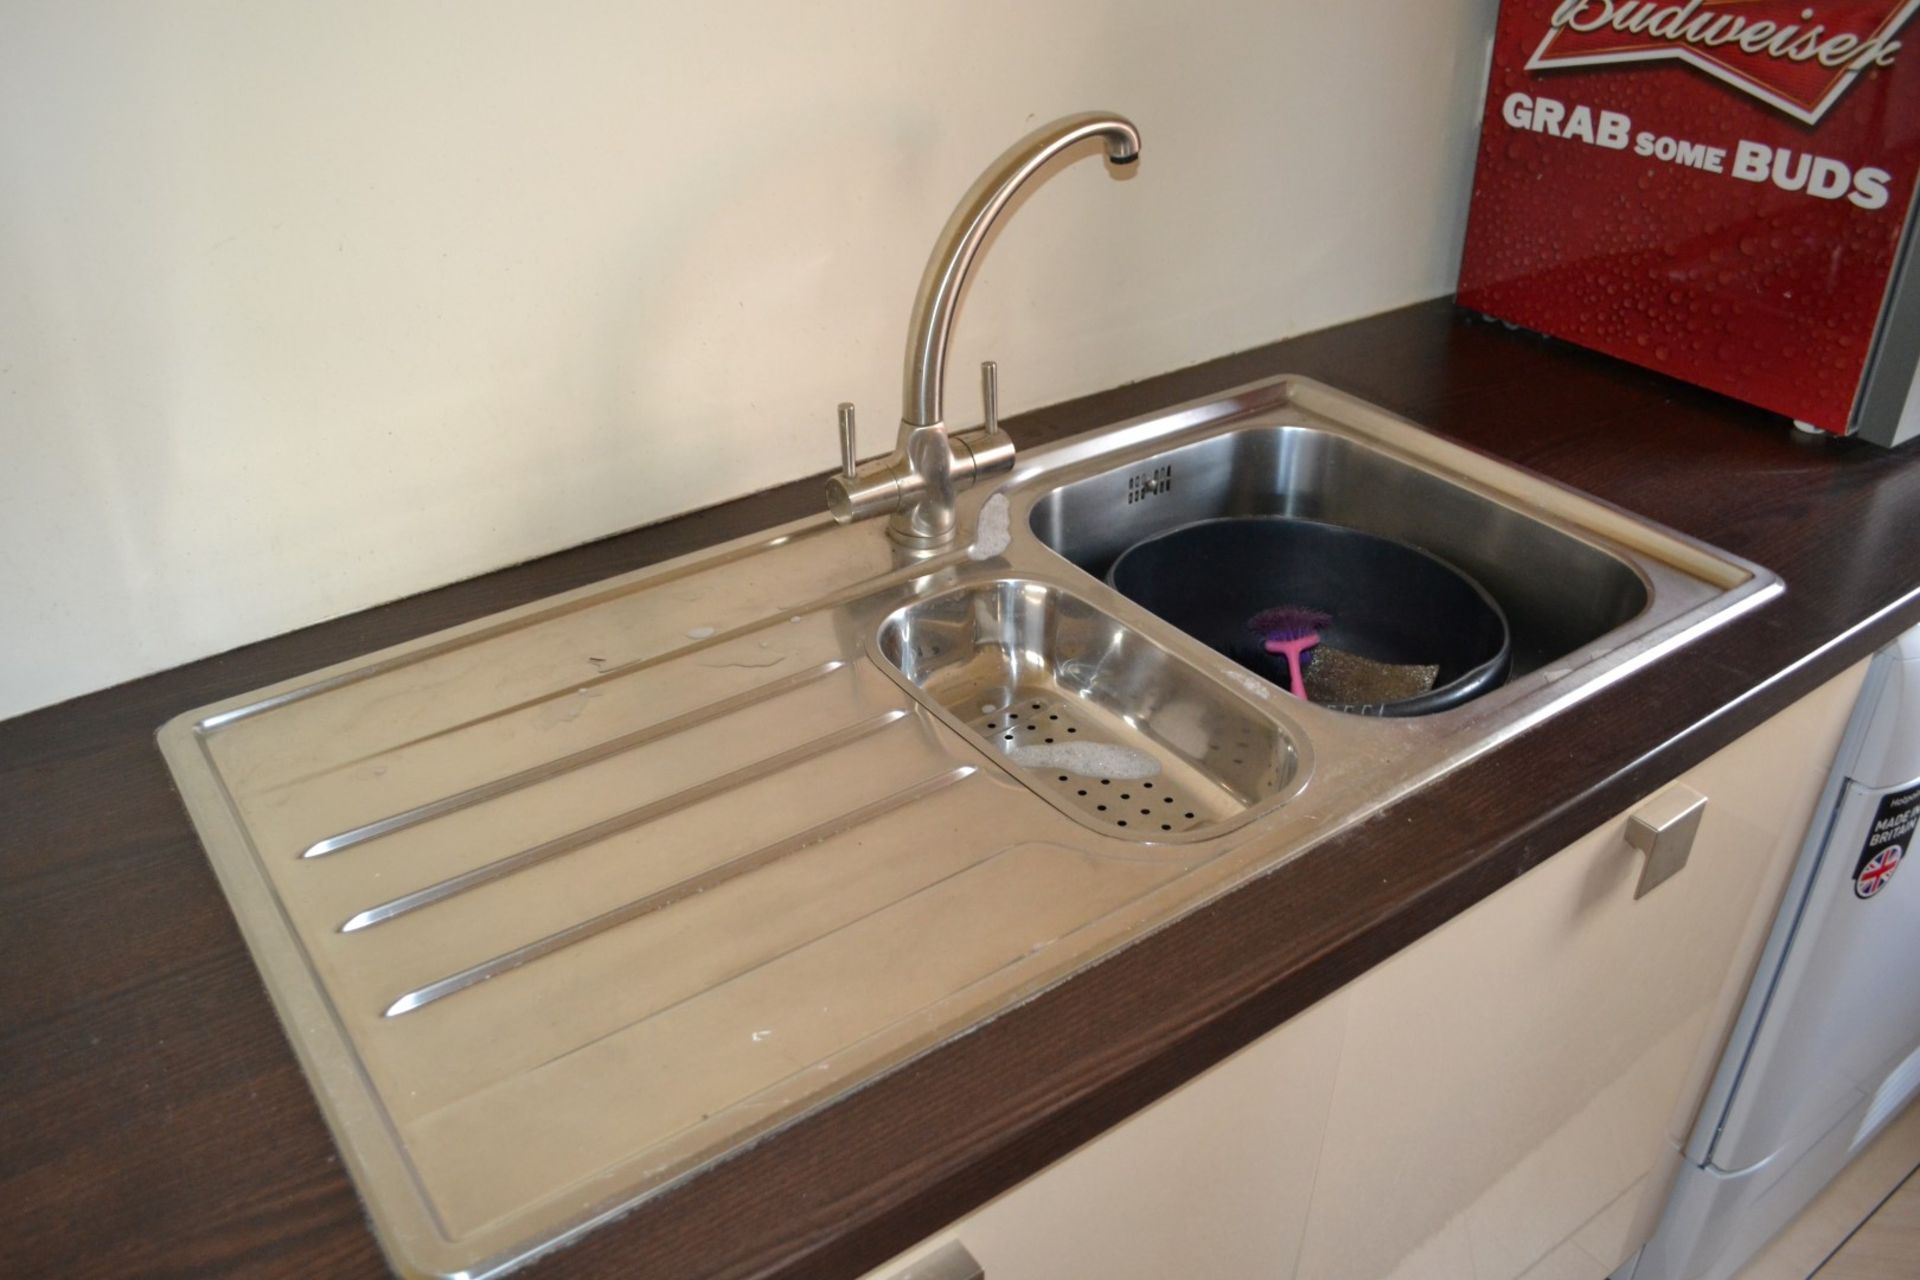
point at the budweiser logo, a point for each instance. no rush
(1790, 54)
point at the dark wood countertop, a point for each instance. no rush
(154, 1120)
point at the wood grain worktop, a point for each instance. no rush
(154, 1121)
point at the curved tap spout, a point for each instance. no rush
(966, 231)
(915, 484)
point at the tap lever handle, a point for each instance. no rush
(990, 395)
(849, 451)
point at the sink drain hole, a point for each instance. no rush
(1119, 804)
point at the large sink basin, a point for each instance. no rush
(1589, 591)
(1559, 591)
(561, 906)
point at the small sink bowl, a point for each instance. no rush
(1105, 723)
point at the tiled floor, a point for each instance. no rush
(1866, 1226)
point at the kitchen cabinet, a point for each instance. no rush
(1212, 1181)
(1502, 1099)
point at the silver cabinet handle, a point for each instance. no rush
(949, 1262)
(1663, 829)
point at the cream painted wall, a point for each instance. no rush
(307, 306)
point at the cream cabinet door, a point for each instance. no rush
(1211, 1182)
(1513, 1086)
(1503, 1099)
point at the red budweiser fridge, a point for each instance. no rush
(1722, 190)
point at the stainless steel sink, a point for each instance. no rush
(562, 905)
(1590, 591)
(1559, 592)
(1103, 722)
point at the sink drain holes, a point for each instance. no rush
(1120, 804)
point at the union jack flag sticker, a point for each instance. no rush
(1876, 871)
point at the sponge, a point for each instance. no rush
(1347, 679)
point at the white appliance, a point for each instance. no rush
(1827, 1047)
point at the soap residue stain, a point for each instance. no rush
(1252, 684)
(996, 529)
(700, 633)
(564, 710)
(750, 661)
(1092, 759)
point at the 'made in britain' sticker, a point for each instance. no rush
(1887, 841)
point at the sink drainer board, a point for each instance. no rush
(562, 905)
(1080, 707)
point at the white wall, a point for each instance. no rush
(307, 306)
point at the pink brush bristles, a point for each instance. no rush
(1290, 630)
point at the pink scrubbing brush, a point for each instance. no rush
(1291, 630)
